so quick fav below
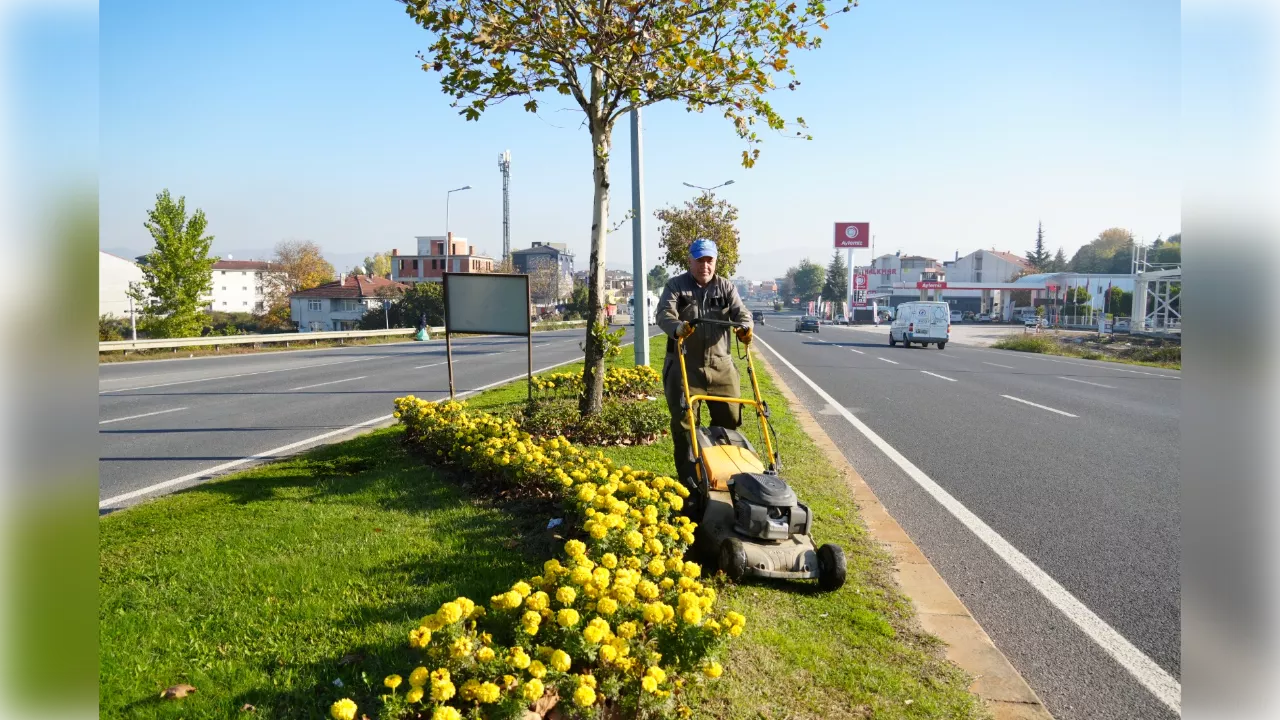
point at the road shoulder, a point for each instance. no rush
(938, 610)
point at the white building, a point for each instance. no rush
(240, 286)
(114, 275)
(340, 305)
(986, 266)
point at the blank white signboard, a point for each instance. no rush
(485, 303)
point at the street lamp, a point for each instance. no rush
(707, 190)
(448, 240)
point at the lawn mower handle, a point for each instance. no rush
(709, 321)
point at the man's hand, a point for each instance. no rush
(744, 335)
(686, 329)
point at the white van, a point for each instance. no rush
(921, 322)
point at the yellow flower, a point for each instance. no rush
(649, 684)
(561, 661)
(568, 617)
(692, 615)
(445, 712)
(518, 658)
(607, 606)
(450, 613)
(627, 630)
(469, 688)
(537, 601)
(566, 595)
(712, 670)
(418, 677)
(344, 709)
(533, 690)
(580, 576)
(392, 681)
(523, 589)
(692, 569)
(608, 653)
(485, 654)
(584, 696)
(460, 647)
(634, 540)
(488, 693)
(656, 673)
(656, 567)
(609, 560)
(647, 590)
(653, 612)
(537, 669)
(414, 695)
(575, 549)
(419, 637)
(598, 532)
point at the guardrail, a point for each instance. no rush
(217, 341)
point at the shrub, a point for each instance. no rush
(634, 422)
(622, 383)
(1027, 343)
(619, 621)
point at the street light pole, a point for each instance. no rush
(708, 190)
(448, 239)
(639, 280)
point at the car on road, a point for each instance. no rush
(1033, 321)
(921, 322)
(956, 316)
(808, 323)
(757, 317)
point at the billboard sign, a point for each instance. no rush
(853, 235)
(931, 285)
(860, 281)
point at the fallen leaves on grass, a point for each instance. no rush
(180, 690)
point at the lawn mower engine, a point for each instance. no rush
(765, 507)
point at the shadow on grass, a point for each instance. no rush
(463, 544)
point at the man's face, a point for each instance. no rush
(702, 269)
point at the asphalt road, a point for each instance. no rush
(169, 424)
(1074, 466)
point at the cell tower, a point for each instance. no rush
(504, 164)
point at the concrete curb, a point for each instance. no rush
(938, 610)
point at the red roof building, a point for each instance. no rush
(340, 305)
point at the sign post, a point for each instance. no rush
(850, 235)
(490, 304)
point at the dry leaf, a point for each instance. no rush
(247, 708)
(180, 690)
(351, 658)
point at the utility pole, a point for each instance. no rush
(133, 322)
(504, 164)
(639, 279)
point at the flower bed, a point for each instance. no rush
(620, 624)
(623, 383)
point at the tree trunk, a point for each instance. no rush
(592, 398)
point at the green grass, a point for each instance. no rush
(1167, 356)
(849, 654)
(256, 587)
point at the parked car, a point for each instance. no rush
(1121, 325)
(968, 316)
(808, 323)
(983, 318)
(956, 316)
(1033, 321)
(921, 322)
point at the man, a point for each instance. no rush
(700, 293)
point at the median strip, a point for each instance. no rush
(1038, 405)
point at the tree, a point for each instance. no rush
(658, 278)
(300, 265)
(1102, 254)
(178, 272)
(808, 279)
(1059, 262)
(545, 283)
(1038, 256)
(407, 307)
(787, 286)
(379, 265)
(579, 302)
(703, 217)
(836, 284)
(611, 58)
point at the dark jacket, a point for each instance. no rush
(683, 300)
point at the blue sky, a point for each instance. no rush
(949, 126)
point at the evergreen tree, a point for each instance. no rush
(837, 282)
(177, 274)
(1039, 256)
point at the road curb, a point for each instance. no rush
(939, 612)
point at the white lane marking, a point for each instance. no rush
(1086, 382)
(944, 377)
(331, 382)
(857, 351)
(1042, 407)
(111, 501)
(895, 362)
(1007, 367)
(135, 417)
(1103, 365)
(1153, 677)
(239, 375)
(419, 367)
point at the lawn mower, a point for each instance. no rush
(750, 521)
